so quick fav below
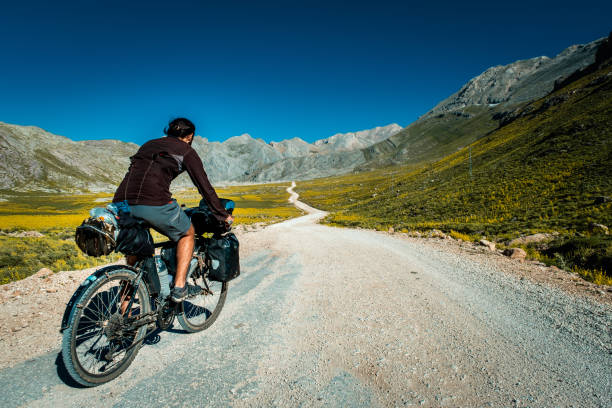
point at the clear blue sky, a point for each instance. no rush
(97, 69)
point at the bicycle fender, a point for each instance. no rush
(71, 306)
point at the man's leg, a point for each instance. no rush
(184, 253)
(171, 221)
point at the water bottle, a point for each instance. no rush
(164, 279)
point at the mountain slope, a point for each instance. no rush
(245, 159)
(476, 108)
(341, 142)
(308, 167)
(520, 81)
(33, 159)
(433, 138)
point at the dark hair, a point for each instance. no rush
(179, 127)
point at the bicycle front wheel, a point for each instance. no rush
(203, 304)
(104, 336)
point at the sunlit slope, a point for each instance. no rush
(432, 138)
(547, 169)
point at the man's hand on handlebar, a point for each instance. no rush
(229, 221)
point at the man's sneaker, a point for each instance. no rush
(194, 290)
(178, 294)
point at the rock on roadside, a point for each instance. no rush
(488, 244)
(529, 239)
(515, 253)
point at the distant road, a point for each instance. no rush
(337, 317)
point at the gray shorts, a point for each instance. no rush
(168, 219)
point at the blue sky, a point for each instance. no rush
(101, 69)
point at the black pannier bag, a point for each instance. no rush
(168, 255)
(204, 221)
(95, 237)
(134, 237)
(150, 276)
(224, 258)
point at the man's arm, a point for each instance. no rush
(198, 176)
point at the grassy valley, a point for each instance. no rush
(546, 170)
(56, 216)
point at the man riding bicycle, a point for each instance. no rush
(146, 188)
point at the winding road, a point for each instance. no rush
(337, 317)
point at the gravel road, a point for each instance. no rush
(339, 317)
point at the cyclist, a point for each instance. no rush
(146, 188)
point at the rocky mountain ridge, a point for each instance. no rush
(34, 159)
(479, 107)
(520, 81)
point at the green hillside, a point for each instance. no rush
(432, 138)
(548, 169)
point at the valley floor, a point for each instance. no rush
(340, 317)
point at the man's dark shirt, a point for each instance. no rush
(153, 168)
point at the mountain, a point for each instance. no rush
(338, 154)
(294, 147)
(308, 167)
(246, 159)
(520, 81)
(233, 158)
(359, 140)
(32, 159)
(476, 108)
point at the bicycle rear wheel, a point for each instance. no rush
(102, 339)
(202, 308)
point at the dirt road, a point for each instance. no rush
(337, 317)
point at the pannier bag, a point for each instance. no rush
(97, 235)
(151, 276)
(224, 258)
(168, 256)
(134, 237)
(204, 221)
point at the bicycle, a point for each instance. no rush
(110, 314)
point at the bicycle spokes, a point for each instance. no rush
(103, 332)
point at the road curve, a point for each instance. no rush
(338, 317)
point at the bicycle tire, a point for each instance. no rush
(98, 316)
(199, 312)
